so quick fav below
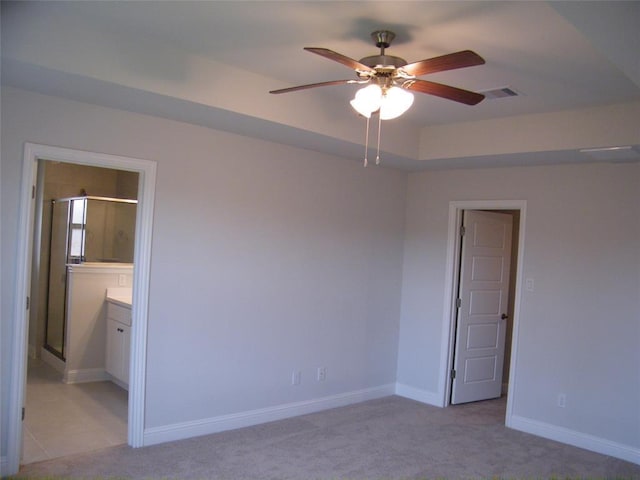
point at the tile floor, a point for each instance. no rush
(66, 419)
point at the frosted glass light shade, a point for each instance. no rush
(395, 102)
(367, 100)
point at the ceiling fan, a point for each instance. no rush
(387, 71)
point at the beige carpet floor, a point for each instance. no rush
(388, 438)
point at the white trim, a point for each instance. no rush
(207, 426)
(50, 359)
(85, 375)
(422, 396)
(446, 353)
(119, 383)
(105, 268)
(451, 280)
(577, 439)
(20, 324)
(142, 260)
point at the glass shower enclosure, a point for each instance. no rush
(83, 229)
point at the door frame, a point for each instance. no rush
(141, 274)
(451, 281)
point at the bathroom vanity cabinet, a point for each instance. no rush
(85, 319)
(118, 340)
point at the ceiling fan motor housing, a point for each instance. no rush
(383, 61)
(383, 64)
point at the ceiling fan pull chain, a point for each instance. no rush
(366, 145)
(379, 128)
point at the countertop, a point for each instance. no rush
(120, 296)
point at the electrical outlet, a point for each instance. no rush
(322, 374)
(562, 400)
(296, 377)
(122, 280)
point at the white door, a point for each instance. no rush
(483, 299)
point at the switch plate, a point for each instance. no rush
(122, 280)
(529, 285)
(562, 400)
(296, 377)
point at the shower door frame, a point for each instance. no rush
(47, 345)
(70, 258)
(142, 261)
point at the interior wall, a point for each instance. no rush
(265, 259)
(126, 185)
(579, 328)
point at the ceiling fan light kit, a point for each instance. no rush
(390, 103)
(389, 79)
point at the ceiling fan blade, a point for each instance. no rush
(338, 57)
(466, 58)
(444, 91)
(314, 85)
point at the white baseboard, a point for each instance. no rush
(124, 386)
(85, 375)
(4, 467)
(577, 439)
(50, 359)
(74, 376)
(207, 426)
(419, 395)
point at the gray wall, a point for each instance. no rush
(265, 259)
(579, 330)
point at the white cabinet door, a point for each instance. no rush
(118, 344)
(114, 349)
(125, 336)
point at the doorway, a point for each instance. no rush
(484, 310)
(84, 235)
(26, 237)
(516, 209)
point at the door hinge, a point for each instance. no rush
(28, 303)
(33, 191)
(462, 230)
(453, 373)
(458, 302)
(23, 414)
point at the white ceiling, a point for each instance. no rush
(558, 56)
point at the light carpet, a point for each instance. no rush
(388, 438)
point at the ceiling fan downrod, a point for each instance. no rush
(383, 64)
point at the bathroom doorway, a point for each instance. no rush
(140, 292)
(84, 217)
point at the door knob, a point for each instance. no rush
(504, 316)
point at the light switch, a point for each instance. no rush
(529, 285)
